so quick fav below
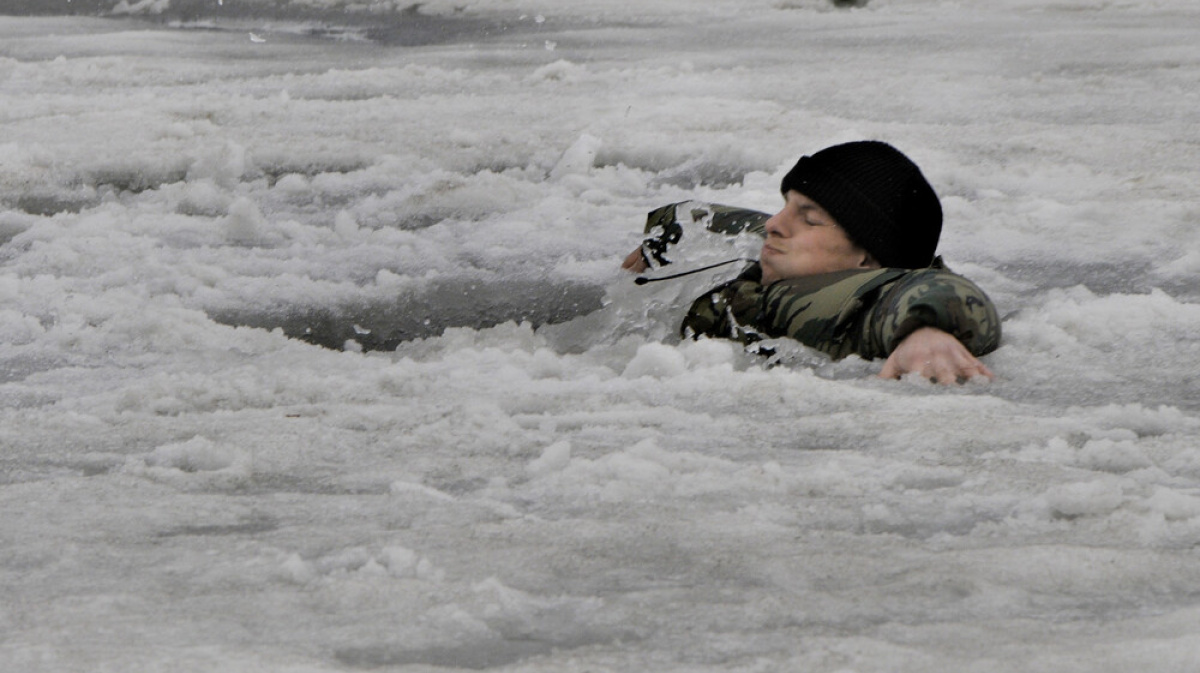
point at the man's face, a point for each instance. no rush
(803, 239)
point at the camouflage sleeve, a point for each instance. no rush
(930, 298)
(871, 312)
(665, 225)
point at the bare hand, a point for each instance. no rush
(935, 355)
(635, 262)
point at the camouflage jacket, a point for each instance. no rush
(860, 311)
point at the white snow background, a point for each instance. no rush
(540, 477)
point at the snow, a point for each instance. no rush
(315, 356)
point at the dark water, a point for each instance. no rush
(454, 303)
(407, 27)
(54, 7)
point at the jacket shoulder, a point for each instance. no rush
(821, 310)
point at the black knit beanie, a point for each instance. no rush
(878, 196)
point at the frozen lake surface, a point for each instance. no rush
(314, 355)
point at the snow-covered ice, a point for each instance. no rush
(314, 355)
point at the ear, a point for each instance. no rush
(868, 261)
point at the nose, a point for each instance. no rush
(772, 226)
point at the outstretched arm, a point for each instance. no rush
(936, 325)
(931, 298)
(931, 321)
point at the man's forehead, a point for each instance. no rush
(804, 203)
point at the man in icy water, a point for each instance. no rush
(847, 266)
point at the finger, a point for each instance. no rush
(634, 262)
(945, 372)
(986, 372)
(972, 367)
(949, 365)
(978, 369)
(890, 369)
(956, 364)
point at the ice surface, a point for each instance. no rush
(314, 355)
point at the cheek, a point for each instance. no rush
(836, 243)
